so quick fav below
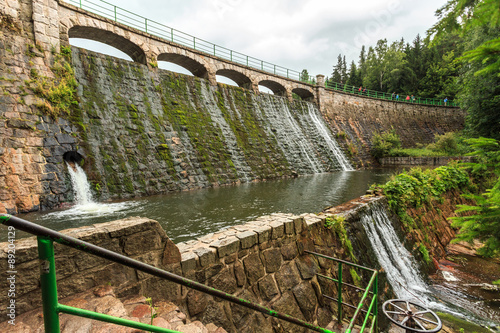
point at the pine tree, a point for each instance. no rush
(337, 70)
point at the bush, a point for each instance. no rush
(418, 187)
(383, 143)
(446, 143)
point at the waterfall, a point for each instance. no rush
(85, 206)
(400, 266)
(403, 273)
(332, 144)
(81, 186)
(302, 135)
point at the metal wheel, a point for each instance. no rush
(411, 316)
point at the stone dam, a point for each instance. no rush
(138, 130)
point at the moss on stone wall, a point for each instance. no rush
(258, 148)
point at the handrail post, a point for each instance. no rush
(49, 284)
(339, 291)
(375, 310)
(115, 12)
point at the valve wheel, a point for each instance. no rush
(412, 316)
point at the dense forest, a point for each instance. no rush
(458, 59)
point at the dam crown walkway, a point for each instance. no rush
(306, 83)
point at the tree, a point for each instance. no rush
(484, 224)
(480, 90)
(337, 70)
(362, 62)
(441, 78)
(353, 76)
(304, 75)
(465, 15)
(344, 71)
(478, 22)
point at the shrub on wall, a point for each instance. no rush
(383, 143)
(418, 187)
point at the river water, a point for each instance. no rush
(187, 215)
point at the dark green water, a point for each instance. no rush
(187, 215)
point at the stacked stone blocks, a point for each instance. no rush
(260, 261)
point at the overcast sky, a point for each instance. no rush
(296, 34)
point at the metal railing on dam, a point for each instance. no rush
(154, 28)
(130, 19)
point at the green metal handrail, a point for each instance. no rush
(157, 29)
(387, 96)
(371, 288)
(52, 308)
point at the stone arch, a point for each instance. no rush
(277, 88)
(110, 38)
(241, 79)
(304, 94)
(195, 67)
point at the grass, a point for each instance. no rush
(416, 152)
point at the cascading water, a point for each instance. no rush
(85, 207)
(302, 135)
(332, 144)
(403, 273)
(397, 261)
(81, 186)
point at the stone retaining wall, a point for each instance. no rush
(259, 261)
(415, 161)
(356, 119)
(77, 271)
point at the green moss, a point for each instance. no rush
(425, 253)
(59, 92)
(192, 120)
(355, 277)
(461, 325)
(127, 184)
(259, 150)
(337, 224)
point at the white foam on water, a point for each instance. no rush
(85, 206)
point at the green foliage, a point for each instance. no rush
(425, 253)
(66, 51)
(58, 92)
(415, 152)
(446, 143)
(480, 94)
(484, 224)
(153, 309)
(383, 143)
(417, 187)
(464, 16)
(337, 224)
(478, 23)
